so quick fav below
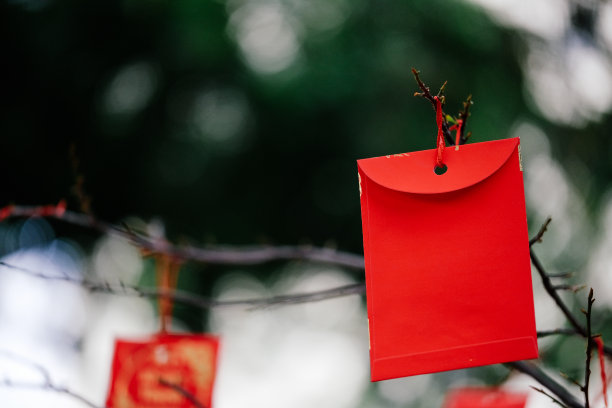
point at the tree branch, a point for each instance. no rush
(550, 289)
(556, 401)
(189, 396)
(252, 255)
(589, 350)
(540, 376)
(191, 299)
(538, 237)
(464, 115)
(427, 95)
(46, 385)
(546, 333)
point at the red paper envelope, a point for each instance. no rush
(484, 398)
(161, 371)
(448, 275)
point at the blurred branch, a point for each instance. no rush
(191, 299)
(258, 255)
(46, 385)
(252, 255)
(192, 398)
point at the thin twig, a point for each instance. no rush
(573, 288)
(546, 333)
(589, 349)
(541, 232)
(563, 275)
(192, 398)
(427, 95)
(464, 115)
(556, 401)
(46, 385)
(192, 299)
(557, 389)
(550, 289)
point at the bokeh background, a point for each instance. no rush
(239, 122)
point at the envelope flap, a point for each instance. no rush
(414, 172)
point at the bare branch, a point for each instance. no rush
(46, 385)
(546, 333)
(464, 115)
(541, 232)
(557, 389)
(550, 289)
(425, 93)
(589, 350)
(192, 398)
(191, 299)
(556, 401)
(573, 288)
(563, 275)
(252, 255)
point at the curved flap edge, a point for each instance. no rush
(414, 172)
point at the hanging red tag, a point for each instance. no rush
(484, 398)
(165, 371)
(448, 275)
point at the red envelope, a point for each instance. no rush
(448, 275)
(484, 398)
(161, 371)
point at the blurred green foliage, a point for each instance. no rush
(291, 176)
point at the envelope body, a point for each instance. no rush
(484, 398)
(156, 372)
(448, 275)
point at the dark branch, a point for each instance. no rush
(550, 289)
(464, 115)
(192, 398)
(540, 376)
(541, 232)
(567, 332)
(425, 93)
(589, 350)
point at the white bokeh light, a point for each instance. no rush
(266, 34)
(295, 356)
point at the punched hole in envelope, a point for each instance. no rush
(440, 170)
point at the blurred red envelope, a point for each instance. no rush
(448, 275)
(484, 398)
(159, 371)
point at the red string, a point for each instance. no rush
(457, 127)
(602, 365)
(440, 142)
